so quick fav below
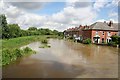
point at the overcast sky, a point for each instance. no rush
(59, 15)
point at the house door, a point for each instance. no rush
(96, 39)
(102, 40)
(108, 40)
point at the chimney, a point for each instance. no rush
(104, 21)
(110, 23)
(80, 26)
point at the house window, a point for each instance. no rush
(96, 32)
(103, 32)
(109, 33)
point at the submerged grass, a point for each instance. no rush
(10, 49)
(44, 46)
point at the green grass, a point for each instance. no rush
(21, 41)
(18, 42)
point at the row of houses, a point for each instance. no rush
(98, 32)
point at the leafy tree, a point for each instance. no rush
(55, 32)
(32, 28)
(14, 30)
(0, 27)
(3, 25)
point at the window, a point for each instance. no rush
(96, 32)
(103, 32)
(109, 33)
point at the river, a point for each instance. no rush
(65, 59)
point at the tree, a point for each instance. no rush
(3, 25)
(14, 30)
(32, 28)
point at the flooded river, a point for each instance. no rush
(65, 59)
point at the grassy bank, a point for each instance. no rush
(10, 48)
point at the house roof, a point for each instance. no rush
(103, 26)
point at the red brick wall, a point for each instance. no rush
(87, 34)
(105, 36)
(80, 32)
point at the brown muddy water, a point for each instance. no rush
(65, 59)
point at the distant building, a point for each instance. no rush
(74, 32)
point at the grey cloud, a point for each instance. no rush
(82, 4)
(28, 5)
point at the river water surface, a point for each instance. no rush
(65, 59)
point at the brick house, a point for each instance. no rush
(100, 32)
(74, 32)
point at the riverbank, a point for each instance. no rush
(10, 49)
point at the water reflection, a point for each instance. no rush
(66, 59)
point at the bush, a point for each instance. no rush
(45, 41)
(112, 44)
(70, 37)
(28, 50)
(115, 39)
(87, 41)
(11, 55)
(6, 57)
(18, 52)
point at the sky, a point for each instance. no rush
(58, 15)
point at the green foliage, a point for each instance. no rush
(6, 56)
(119, 40)
(112, 44)
(11, 55)
(27, 50)
(70, 37)
(115, 39)
(32, 28)
(45, 31)
(87, 41)
(14, 30)
(44, 46)
(18, 52)
(3, 25)
(44, 41)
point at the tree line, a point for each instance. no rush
(8, 31)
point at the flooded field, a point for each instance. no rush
(65, 59)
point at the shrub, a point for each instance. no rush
(27, 50)
(115, 39)
(45, 41)
(11, 55)
(18, 52)
(6, 58)
(70, 37)
(112, 43)
(87, 41)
